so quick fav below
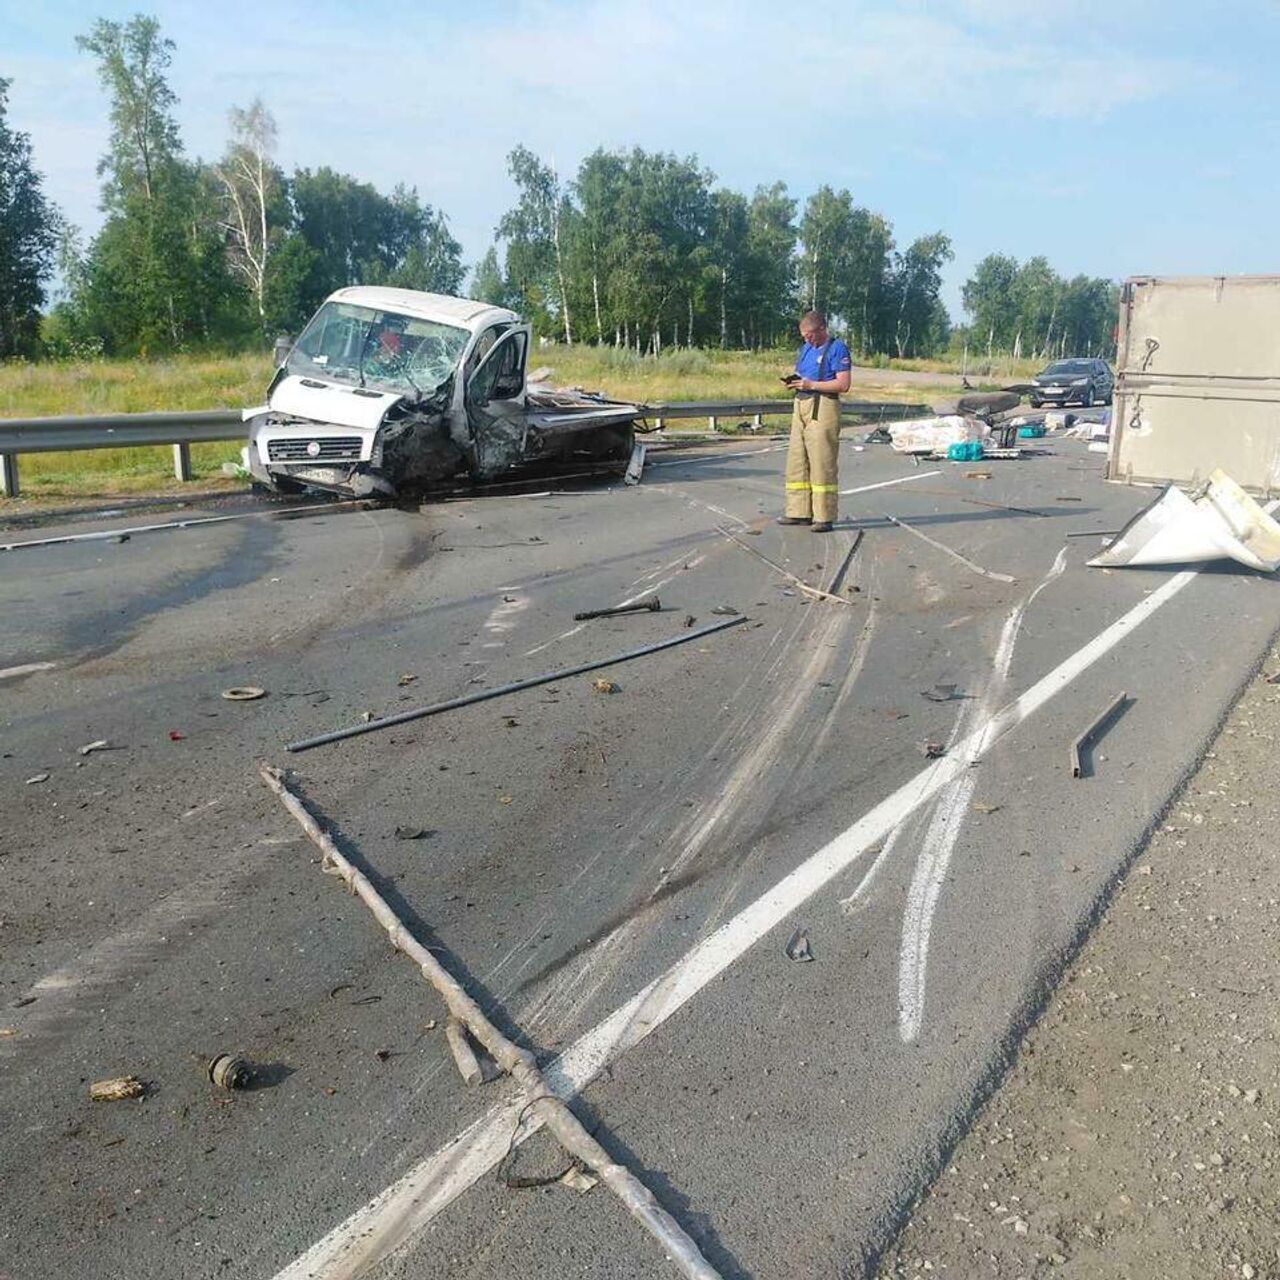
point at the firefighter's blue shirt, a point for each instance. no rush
(810, 360)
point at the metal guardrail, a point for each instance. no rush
(182, 430)
(114, 431)
(714, 410)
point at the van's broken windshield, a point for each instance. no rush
(383, 350)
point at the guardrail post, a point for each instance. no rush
(9, 474)
(757, 421)
(182, 461)
(712, 421)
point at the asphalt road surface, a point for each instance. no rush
(615, 876)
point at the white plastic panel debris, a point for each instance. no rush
(933, 435)
(1220, 522)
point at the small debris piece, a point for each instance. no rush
(977, 475)
(382, 1055)
(244, 693)
(429, 1025)
(578, 1179)
(230, 1072)
(368, 717)
(39, 777)
(117, 1089)
(22, 1001)
(7, 1033)
(463, 1054)
(932, 750)
(1274, 678)
(506, 799)
(90, 747)
(604, 686)
(1066, 497)
(511, 722)
(940, 693)
(725, 611)
(798, 947)
(407, 678)
(981, 806)
(689, 620)
(175, 736)
(413, 833)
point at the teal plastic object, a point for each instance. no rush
(965, 451)
(1030, 433)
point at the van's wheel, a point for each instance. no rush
(1086, 401)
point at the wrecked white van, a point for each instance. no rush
(392, 391)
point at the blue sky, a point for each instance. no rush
(1116, 138)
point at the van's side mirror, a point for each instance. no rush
(280, 352)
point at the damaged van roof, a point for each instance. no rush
(427, 306)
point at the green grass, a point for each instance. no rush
(236, 381)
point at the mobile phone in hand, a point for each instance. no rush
(789, 378)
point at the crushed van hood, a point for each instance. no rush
(341, 406)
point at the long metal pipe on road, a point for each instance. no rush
(183, 429)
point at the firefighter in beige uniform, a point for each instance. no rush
(822, 374)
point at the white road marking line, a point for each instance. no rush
(884, 484)
(715, 457)
(26, 669)
(392, 1218)
(955, 555)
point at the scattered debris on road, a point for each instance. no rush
(406, 679)
(1097, 727)
(955, 555)
(604, 686)
(519, 1063)
(932, 750)
(413, 833)
(798, 947)
(228, 1071)
(981, 806)
(483, 695)
(117, 1089)
(37, 778)
(176, 736)
(942, 693)
(1221, 521)
(576, 1178)
(464, 1055)
(244, 693)
(90, 747)
(815, 592)
(725, 611)
(651, 604)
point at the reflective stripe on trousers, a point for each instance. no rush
(812, 485)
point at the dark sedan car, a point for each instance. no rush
(1085, 381)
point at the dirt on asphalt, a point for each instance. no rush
(1135, 1134)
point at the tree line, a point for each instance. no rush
(636, 249)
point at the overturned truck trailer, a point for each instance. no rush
(1198, 382)
(393, 391)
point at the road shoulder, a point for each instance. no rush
(1135, 1134)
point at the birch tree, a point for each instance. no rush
(251, 187)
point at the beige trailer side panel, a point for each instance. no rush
(1198, 381)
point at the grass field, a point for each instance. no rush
(212, 382)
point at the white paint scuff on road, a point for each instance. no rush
(955, 555)
(885, 484)
(943, 832)
(394, 1217)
